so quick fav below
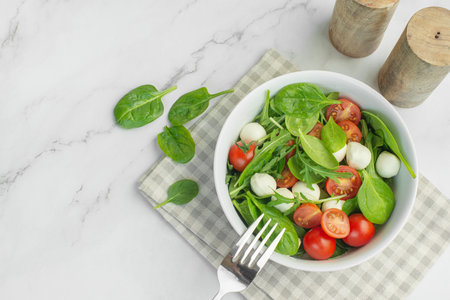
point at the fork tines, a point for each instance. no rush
(242, 255)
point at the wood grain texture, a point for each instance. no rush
(419, 61)
(357, 26)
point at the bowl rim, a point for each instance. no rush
(314, 265)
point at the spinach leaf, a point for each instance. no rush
(191, 105)
(181, 192)
(333, 95)
(317, 152)
(140, 106)
(300, 230)
(301, 100)
(350, 206)
(289, 242)
(333, 136)
(295, 125)
(244, 211)
(380, 128)
(338, 251)
(177, 143)
(375, 199)
(263, 155)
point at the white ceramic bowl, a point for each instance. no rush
(405, 186)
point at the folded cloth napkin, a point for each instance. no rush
(391, 274)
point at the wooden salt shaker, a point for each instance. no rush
(420, 60)
(357, 26)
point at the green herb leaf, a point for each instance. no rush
(177, 143)
(295, 125)
(350, 206)
(181, 192)
(375, 199)
(289, 242)
(140, 106)
(244, 211)
(191, 105)
(333, 136)
(317, 151)
(380, 128)
(333, 95)
(301, 100)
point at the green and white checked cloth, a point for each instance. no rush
(391, 274)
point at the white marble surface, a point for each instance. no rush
(72, 224)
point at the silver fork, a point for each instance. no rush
(238, 268)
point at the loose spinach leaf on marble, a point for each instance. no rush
(181, 192)
(333, 136)
(191, 105)
(380, 128)
(140, 106)
(177, 143)
(289, 242)
(301, 100)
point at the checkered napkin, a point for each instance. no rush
(391, 274)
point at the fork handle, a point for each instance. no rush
(220, 294)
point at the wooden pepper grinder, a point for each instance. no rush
(420, 60)
(357, 26)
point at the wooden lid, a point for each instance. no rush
(428, 35)
(377, 3)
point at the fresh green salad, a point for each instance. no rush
(319, 166)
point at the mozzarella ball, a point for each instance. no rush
(333, 204)
(387, 165)
(301, 188)
(263, 184)
(285, 193)
(340, 154)
(358, 156)
(252, 132)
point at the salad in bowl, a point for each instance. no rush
(323, 163)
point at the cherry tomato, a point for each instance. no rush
(349, 186)
(361, 231)
(351, 130)
(288, 179)
(290, 154)
(307, 215)
(347, 110)
(317, 130)
(238, 159)
(318, 244)
(335, 223)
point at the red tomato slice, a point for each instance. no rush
(351, 130)
(288, 179)
(349, 186)
(361, 231)
(238, 159)
(290, 154)
(317, 130)
(335, 223)
(307, 215)
(347, 110)
(318, 244)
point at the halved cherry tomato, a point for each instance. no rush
(335, 223)
(318, 244)
(317, 130)
(238, 159)
(349, 186)
(361, 231)
(288, 179)
(290, 154)
(307, 215)
(347, 110)
(351, 130)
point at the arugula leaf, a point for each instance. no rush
(140, 106)
(333, 136)
(181, 192)
(244, 211)
(317, 151)
(380, 128)
(301, 100)
(177, 143)
(263, 117)
(295, 125)
(191, 105)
